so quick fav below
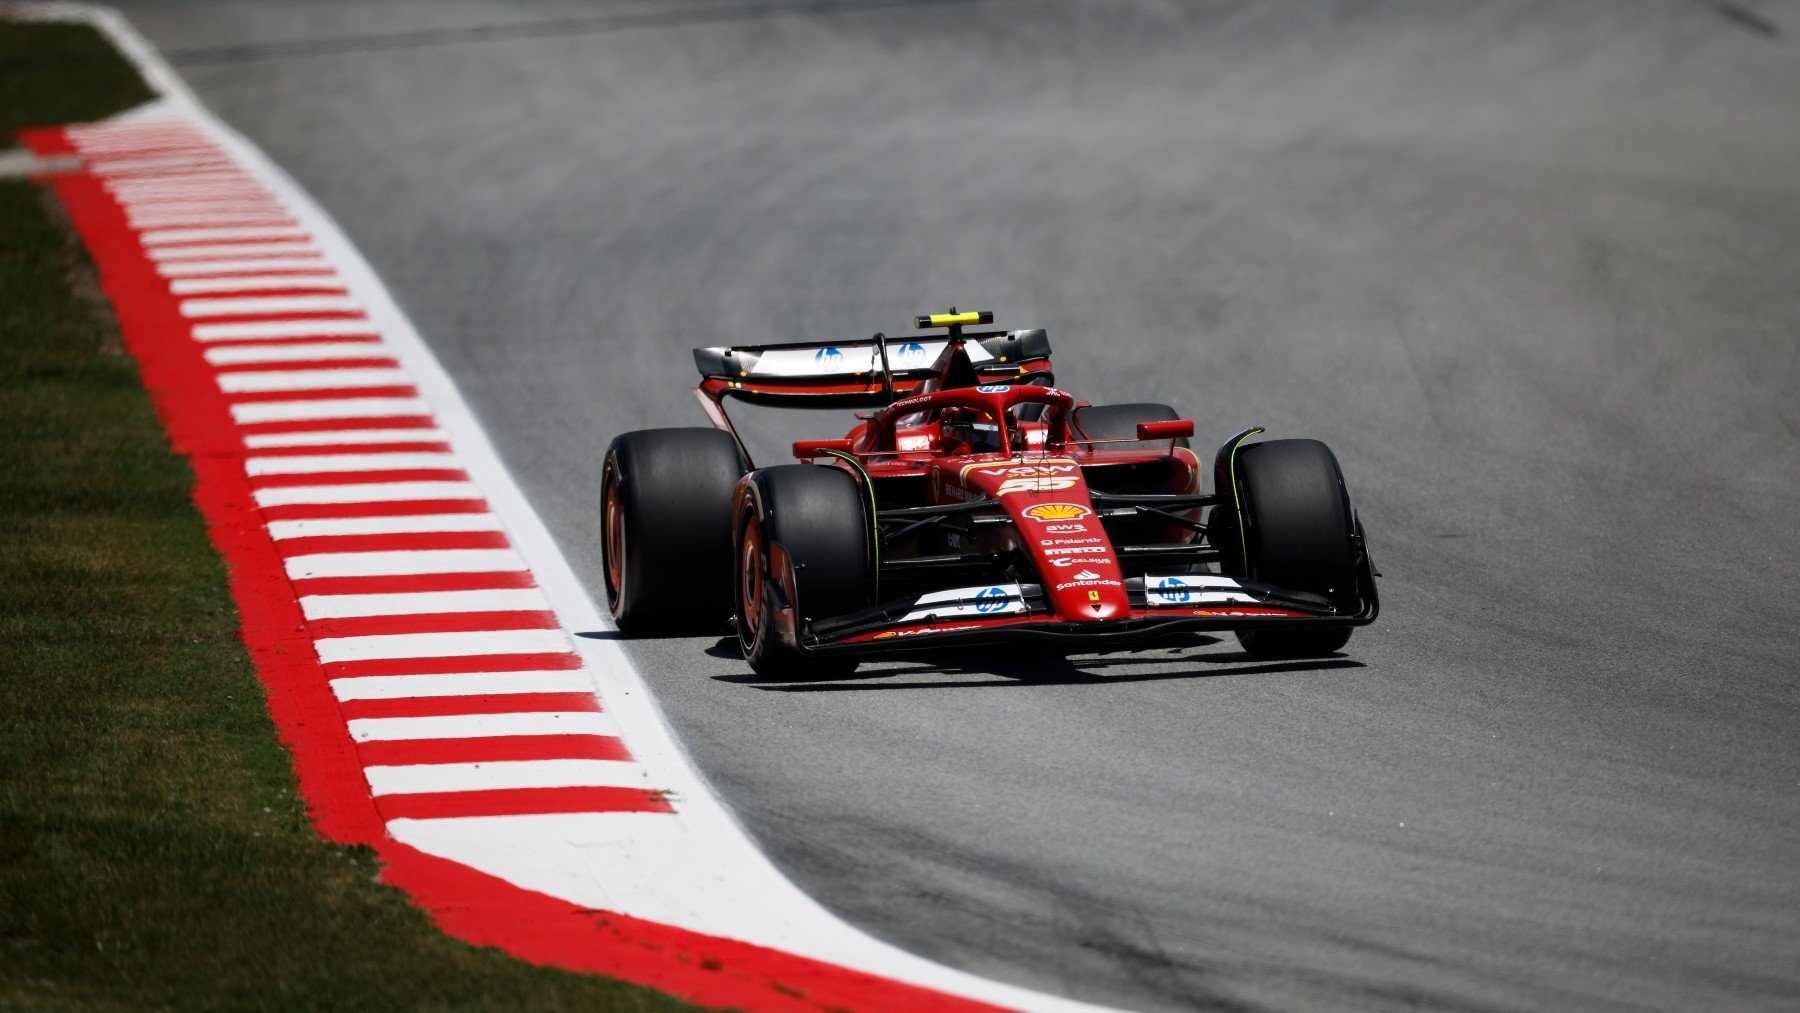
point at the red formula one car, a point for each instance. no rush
(975, 502)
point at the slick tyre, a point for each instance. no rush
(665, 529)
(802, 542)
(1119, 421)
(1298, 533)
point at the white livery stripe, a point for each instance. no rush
(258, 330)
(275, 305)
(346, 462)
(439, 777)
(189, 268)
(406, 687)
(308, 351)
(394, 646)
(255, 283)
(257, 382)
(354, 606)
(374, 492)
(481, 726)
(329, 437)
(404, 524)
(216, 250)
(159, 237)
(405, 562)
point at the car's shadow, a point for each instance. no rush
(1011, 667)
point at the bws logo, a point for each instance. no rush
(990, 599)
(1057, 512)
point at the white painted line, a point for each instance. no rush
(403, 562)
(258, 330)
(313, 463)
(270, 381)
(310, 351)
(314, 411)
(395, 646)
(353, 606)
(405, 687)
(221, 250)
(158, 237)
(188, 269)
(382, 492)
(482, 726)
(254, 283)
(423, 778)
(403, 524)
(274, 305)
(329, 437)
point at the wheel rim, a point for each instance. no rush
(615, 544)
(752, 584)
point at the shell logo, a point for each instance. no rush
(1056, 512)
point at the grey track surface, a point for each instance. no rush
(1532, 269)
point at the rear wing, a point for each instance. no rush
(849, 374)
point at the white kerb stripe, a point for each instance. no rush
(328, 437)
(404, 562)
(407, 687)
(311, 464)
(158, 237)
(482, 726)
(371, 492)
(355, 606)
(305, 351)
(256, 330)
(255, 283)
(265, 381)
(403, 524)
(218, 250)
(395, 646)
(422, 778)
(184, 269)
(274, 305)
(334, 408)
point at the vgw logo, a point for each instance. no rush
(830, 358)
(990, 599)
(1172, 589)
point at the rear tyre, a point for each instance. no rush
(1119, 421)
(1298, 533)
(802, 539)
(665, 529)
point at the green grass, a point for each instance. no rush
(54, 72)
(153, 850)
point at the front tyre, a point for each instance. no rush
(802, 552)
(1297, 532)
(665, 529)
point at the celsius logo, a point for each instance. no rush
(1056, 512)
(993, 388)
(1087, 575)
(911, 354)
(1172, 589)
(828, 357)
(990, 599)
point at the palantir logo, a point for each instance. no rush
(990, 599)
(1172, 589)
(829, 358)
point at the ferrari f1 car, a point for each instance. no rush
(974, 502)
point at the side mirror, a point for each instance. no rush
(806, 450)
(1173, 429)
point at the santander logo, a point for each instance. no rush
(1087, 575)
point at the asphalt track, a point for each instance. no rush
(1532, 269)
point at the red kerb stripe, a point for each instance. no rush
(395, 508)
(445, 622)
(445, 706)
(565, 661)
(393, 543)
(521, 802)
(493, 749)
